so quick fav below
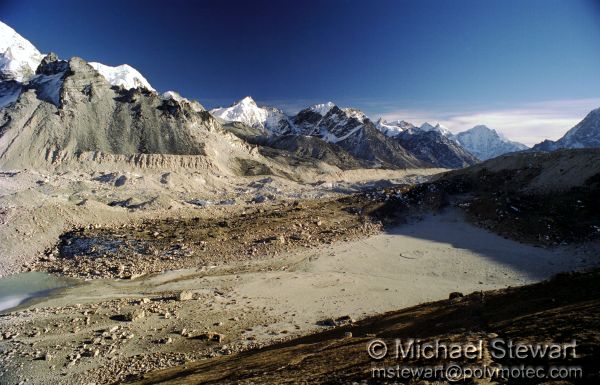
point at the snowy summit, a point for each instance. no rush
(322, 109)
(19, 60)
(18, 57)
(437, 128)
(485, 143)
(248, 112)
(393, 128)
(123, 76)
(244, 111)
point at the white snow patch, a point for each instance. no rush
(331, 138)
(18, 57)
(322, 109)
(124, 76)
(172, 95)
(356, 114)
(437, 128)
(393, 128)
(177, 97)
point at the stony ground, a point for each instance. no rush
(37, 207)
(111, 340)
(561, 310)
(100, 341)
(114, 329)
(128, 319)
(249, 233)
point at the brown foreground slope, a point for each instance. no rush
(564, 308)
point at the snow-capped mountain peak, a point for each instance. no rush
(394, 127)
(437, 128)
(443, 130)
(586, 134)
(329, 122)
(426, 127)
(482, 129)
(247, 101)
(398, 123)
(19, 60)
(18, 57)
(248, 112)
(356, 114)
(123, 76)
(322, 109)
(486, 143)
(244, 111)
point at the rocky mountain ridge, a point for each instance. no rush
(586, 134)
(446, 149)
(19, 60)
(70, 107)
(351, 130)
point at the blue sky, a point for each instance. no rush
(529, 68)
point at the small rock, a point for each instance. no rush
(134, 315)
(345, 320)
(166, 178)
(341, 321)
(327, 322)
(211, 336)
(120, 181)
(185, 295)
(259, 199)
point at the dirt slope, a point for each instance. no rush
(559, 310)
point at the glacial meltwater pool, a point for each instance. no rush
(18, 288)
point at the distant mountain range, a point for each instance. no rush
(378, 144)
(440, 147)
(48, 104)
